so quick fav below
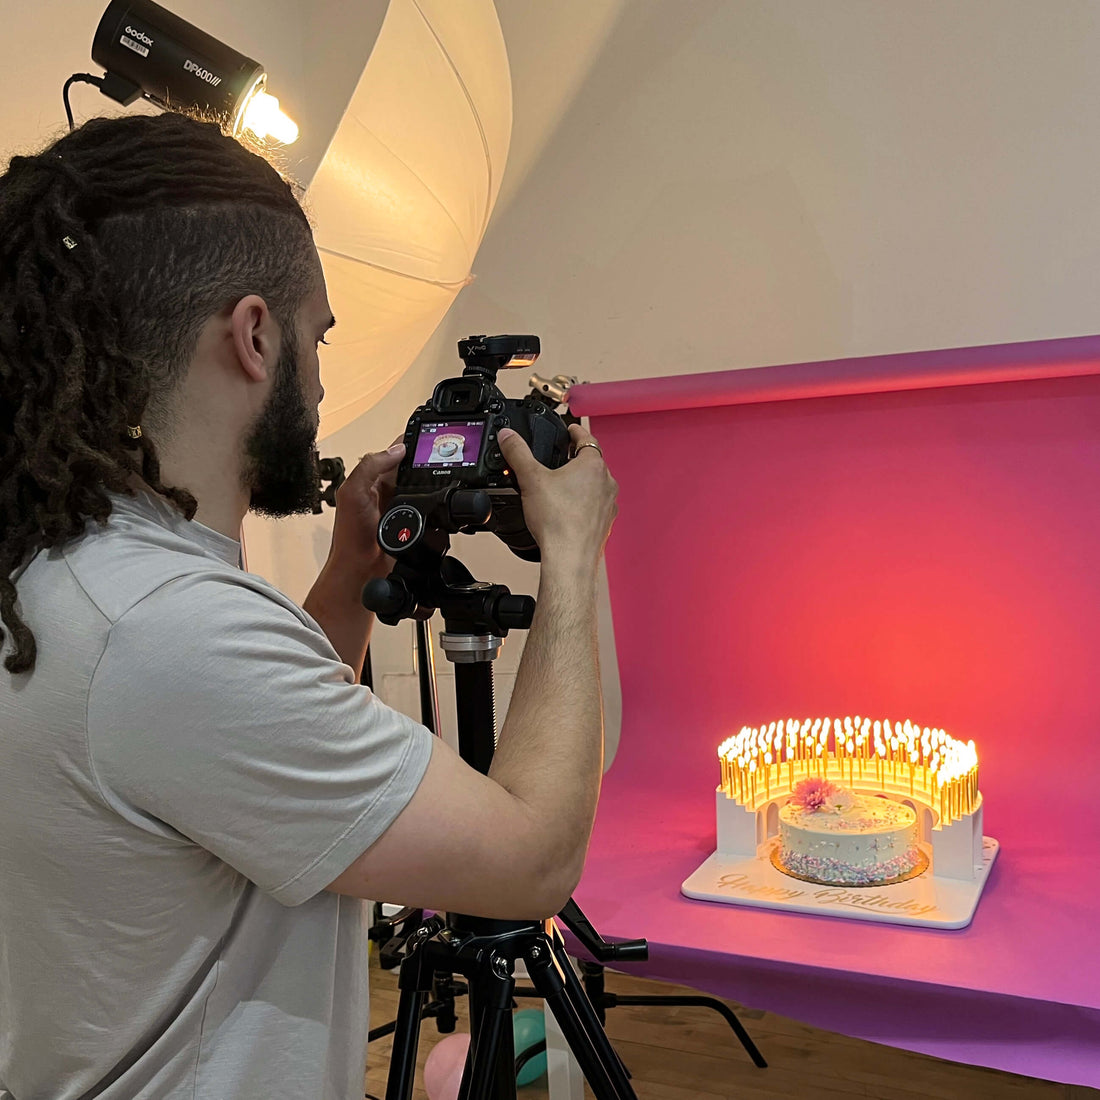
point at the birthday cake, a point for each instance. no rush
(831, 835)
(851, 801)
(883, 817)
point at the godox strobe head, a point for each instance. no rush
(147, 51)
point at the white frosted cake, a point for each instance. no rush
(834, 836)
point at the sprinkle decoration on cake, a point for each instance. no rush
(829, 834)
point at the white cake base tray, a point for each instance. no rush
(925, 901)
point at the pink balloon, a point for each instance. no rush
(452, 1085)
(443, 1067)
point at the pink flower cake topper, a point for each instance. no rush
(815, 795)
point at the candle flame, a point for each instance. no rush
(941, 769)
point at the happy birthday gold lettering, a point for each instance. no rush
(744, 885)
(871, 901)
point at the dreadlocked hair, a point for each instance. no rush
(117, 244)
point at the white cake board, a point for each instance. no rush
(925, 901)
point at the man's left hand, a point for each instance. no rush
(360, 502)
(355, 556)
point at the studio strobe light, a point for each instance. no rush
(148, 51)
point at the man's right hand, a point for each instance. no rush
(569, 511)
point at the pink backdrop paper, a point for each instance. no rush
(819, 539)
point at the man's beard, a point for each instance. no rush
(281, 471)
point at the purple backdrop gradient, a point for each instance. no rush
(812, 545)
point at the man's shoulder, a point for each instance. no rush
(118, 570)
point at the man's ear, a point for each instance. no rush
(255, 337)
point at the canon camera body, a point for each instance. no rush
(453, 476)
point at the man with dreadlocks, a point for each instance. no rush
(195, 792)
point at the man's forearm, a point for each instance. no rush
(550, 752)
(335, 601)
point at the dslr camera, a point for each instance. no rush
(454, 477)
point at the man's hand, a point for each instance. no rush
(569, 511)
(360, 502)
(355, 556)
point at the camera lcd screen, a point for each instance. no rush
(455, 443)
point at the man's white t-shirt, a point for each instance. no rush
(187, 767)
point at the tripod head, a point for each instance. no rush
(477, 616)
(425, 578)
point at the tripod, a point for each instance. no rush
(477, 616)
(394, 932)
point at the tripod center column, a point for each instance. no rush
(465, 649)
(472, 656)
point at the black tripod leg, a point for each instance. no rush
(598, 1061)
(490, 1072)
(406, 1038)
(591, 1016)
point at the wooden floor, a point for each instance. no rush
(685, 1053)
